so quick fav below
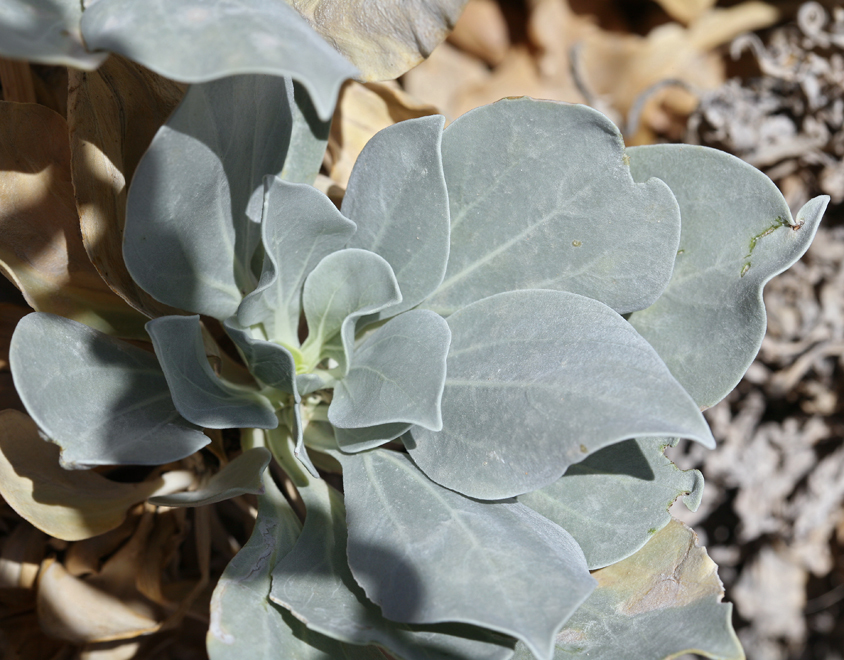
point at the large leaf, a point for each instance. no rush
(344, 286)
(737, 234)
(45, 31)
(542, 198)
(197, 41)
(662, 602)
(241, 476)
(427, 555)
(397, 197)
(538, 380)
(396, 375)
(385, 39)
(315, 583)
(200, 395)
(194, 209)
(103, 401)
(244, 622)
(300, 226)
(617, 498)
(270, 363)
(41, 248)
(67, 504)
(113, 114)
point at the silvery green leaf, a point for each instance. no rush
(617, 498)
(737, 233)
(661, 603)
(542, 198)
(196, 41)
(397, 197)
(270, 363)
(199, 394)
(344, 286)
(241, 476)
(300, 226)
(395, 375)
(314, 582)
(308, 139)
(354, 440)
(244, 622)
(307, 383)
(194, 208)
(103, 401)
(47, 32)
(529, 373)
(426, 554)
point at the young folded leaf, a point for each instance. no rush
(398, 198)
(199, 394)
(395, 375)
(299, 227)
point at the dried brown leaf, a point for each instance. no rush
(113, 114)
(482, 31)
(41, 248)
(382, 39)
(23, 552)
(67, 504)
(74, 610)
(686, 11)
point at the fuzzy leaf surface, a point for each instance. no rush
(269, 362)
(205, 169)
(398, 198)
(198, 393)
(528, 373)
(197, 41)
(47, 32)
(354, 440)
(300, 227)
(396, 375)
(709, 323)
(103, 401)
(344, 286)
(541, 197)
(241, 476)
(314, 582)
(497, 565)
(244, 622)
(617, 498)
(662, 602)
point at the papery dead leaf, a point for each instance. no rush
(382, 39)
(113, 114)
(482, 31)
(620, 68)
(364, 110)
(686, 11)
(67, 504)
(73, 610)
(23, 552)
(10, 314)
(86, 557)
(41, 248)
